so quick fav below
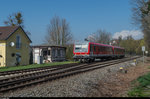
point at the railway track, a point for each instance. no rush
(6, 74)
(52, 74)
(36, 69)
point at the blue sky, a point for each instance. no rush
(84, 16)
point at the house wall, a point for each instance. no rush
(36, 54)
(3, 53)
(58, 54)
(24, 51)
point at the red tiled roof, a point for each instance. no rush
(7, 31)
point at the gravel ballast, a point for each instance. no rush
(80, 85)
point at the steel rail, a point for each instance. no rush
(48, 70)
(5, 86)
(35, 69)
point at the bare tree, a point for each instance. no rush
(58, 32)
(101, 36)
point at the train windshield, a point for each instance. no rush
(81, 48)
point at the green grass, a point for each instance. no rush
(33, 66)
(142, 90)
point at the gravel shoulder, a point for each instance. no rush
(104, 82)
(118, 84)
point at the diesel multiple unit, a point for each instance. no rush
(89, 51)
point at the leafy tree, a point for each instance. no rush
(132, 46)
(69, 52)
(15, 19)
(140, 43)
(129, 44)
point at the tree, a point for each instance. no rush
(141, 17)
(58, 32)
(101, 36)
(132, 46)
(138, 49)
(119, 40)
(15, 19)
(69, 51)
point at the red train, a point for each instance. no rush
(89, 51)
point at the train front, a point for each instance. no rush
(81, 52)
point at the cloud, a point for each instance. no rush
(136, 34)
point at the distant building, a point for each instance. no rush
(49, 53)
(14, 46)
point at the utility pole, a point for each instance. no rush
(143, 49)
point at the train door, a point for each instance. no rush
(91, 49)
(100, 50)
(113, 51)
(94, 49)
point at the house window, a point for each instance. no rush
(49, 52)
(58, 52)
(18, 59)
(44, 53)
(18, 41)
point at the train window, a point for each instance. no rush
(99, 48)
(94, 48)
(103, 49)
(115, 50)
(91, 48)
(81, 48)
(77, 48)
(109, 49)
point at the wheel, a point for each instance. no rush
(93, 59)
(81, 61)
(88, 61)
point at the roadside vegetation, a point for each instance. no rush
(142, 88)
(34, 66)
(141, 17)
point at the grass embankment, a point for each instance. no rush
(142, 89)
(34, 66)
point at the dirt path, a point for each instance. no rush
(118, 84)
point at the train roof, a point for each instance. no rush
(106, 45)
(100, 44)
(118, 47)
